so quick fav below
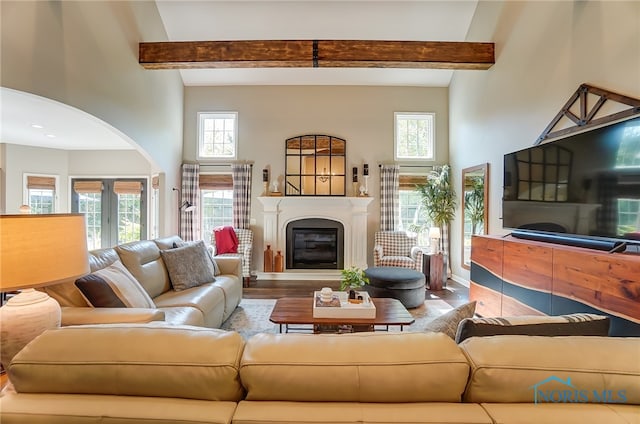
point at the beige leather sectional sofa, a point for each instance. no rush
(207, 305)
(152, 374)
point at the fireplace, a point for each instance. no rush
(315, 243)
(349, 214)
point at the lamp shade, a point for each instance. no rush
(434, 232)
(39, 250)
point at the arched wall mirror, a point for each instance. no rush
(475, 201)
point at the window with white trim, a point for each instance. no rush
(40, 193)
(413, 216)
(216, 198)
(217, 135)
(414, 136)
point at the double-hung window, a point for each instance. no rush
(40, 193)
(216, 198)
(217, 135)
(414, 136)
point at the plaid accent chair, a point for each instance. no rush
(245, 247)
(396, 248)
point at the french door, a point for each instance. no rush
(116, 209)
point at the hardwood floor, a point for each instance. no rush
(454, 294)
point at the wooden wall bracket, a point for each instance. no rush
(587, 115)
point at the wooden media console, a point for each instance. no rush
(512, 277)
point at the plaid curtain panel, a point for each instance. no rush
(389, 197)
(189, 228)
(241, 174)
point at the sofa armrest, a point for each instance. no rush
(416, 253)
(72, 315)
(230, 265)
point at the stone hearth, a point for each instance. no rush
(351, 212)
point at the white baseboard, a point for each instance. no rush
(460, 280)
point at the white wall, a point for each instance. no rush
(85, 54)
(65, 164)
(544, 51)
(363, 116)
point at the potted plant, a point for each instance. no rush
(438, 196)
(352, 279)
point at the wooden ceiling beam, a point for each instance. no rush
(316, 54)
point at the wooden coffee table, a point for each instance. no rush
(299, 310)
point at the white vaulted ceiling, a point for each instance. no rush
(210, 20)
(446, 20)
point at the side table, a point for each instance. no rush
(432, 268)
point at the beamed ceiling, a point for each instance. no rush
(316, 54)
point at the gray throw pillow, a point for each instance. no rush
(188, 266)
(448, 322)
(216, 268)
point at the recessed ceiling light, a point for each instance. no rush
(50, 135)
(37, 126)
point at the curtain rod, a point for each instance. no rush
(407, 166)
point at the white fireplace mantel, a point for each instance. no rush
(351, 212)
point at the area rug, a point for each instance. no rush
(252, 317)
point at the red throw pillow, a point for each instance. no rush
(226, 240)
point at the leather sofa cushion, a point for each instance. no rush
(249, 412)
(41, 408)
(565, 413)
(129, 360)
(142, 259)
(358, 367)
(515, 368)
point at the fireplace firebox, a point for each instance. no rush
(315, 243)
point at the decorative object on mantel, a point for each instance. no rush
(275, 188)
(365, 174)
(265, 181)
(59, 242)
(278, 262)
(268, 259)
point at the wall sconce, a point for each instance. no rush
(185, 206)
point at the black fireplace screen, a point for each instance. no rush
(315, 248)
(315, 243)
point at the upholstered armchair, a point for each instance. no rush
(245, 247)
(396, 248)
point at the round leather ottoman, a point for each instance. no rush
(406, 285)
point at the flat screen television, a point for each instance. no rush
(585, 185)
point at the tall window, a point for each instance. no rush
(216, 191)
(217, 135)
(414, 136)
(116, 210)
(413, 217)
(40, 193)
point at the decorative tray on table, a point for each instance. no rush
(341, 306)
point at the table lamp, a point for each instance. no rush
(36, 251)
(434, 239)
